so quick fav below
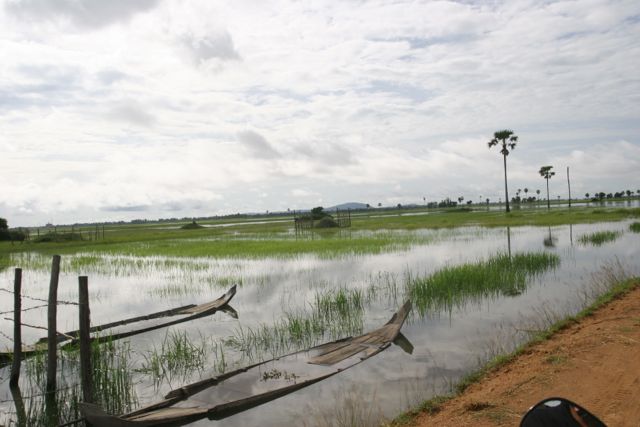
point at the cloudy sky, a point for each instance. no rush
(123, 109)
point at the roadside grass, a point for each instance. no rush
(611, 283)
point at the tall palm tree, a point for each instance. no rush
(507, 140)
(546, 173)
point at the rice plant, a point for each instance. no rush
(635, 227)
(599, 238)
(454, 286)
(177, 356)
(113, 386)
(334, 314)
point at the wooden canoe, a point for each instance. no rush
(245, 388)
(190, 312)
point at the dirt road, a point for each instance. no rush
(595, 363)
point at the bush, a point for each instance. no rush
(13, 235)
(326, 222)
(58, 237)
(192, 226)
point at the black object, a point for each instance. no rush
(559, 412)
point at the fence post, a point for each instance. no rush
(52, 339)
(85, 340)
(17, 331)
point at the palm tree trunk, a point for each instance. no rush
(548, 203)
(506, 192)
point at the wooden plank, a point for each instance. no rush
(177, 409)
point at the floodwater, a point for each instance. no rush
(446, 344)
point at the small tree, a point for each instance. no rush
(318, 213)
(546, 173)
(508, 141)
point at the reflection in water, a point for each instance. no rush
(280, 291)
(571, 234)
(21, 414)
(550, 240)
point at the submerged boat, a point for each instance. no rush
(221, 396)
(189, 312)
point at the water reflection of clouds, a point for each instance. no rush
(446, 345)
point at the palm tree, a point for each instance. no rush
(508, 141)
(546, 173)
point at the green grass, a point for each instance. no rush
(251, 239)
(635, 227)
(599, 238)
(333, 315)
(177, 356)
(454, 286)
(113, 387)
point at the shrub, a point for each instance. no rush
(58, 237)
(326, 222)
(192, 226)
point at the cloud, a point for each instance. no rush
(389, 100)
(86, 14)
(131, 112)
(201, 49)
(257, 145)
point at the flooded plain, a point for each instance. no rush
(291, 302)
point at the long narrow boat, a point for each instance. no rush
(190, 312)
(236, 391)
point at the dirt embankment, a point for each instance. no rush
(595, 363)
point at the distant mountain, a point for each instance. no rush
(345, 206)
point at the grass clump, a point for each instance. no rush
(333, 315)
(599, 238)
(635, 227)
(500, 275)
(177, 356)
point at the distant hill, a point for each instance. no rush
(345, 206)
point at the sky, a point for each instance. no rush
(119, 110)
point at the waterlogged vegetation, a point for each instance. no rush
(295, 291)
(599, 238)
(274, 236)
(334, 314)
(178, 356)
(454, 286)
(113, 385)
(635, 227)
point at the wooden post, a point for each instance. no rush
(52, 341)
(17, 331)
(85, 340)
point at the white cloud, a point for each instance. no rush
(120, 110)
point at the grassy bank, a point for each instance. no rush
(616, 288)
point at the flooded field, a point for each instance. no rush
(472, 288)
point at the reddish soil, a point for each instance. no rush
(595, 363)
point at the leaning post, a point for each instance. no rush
(17, 331)
(52, 339)
(85, 339)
